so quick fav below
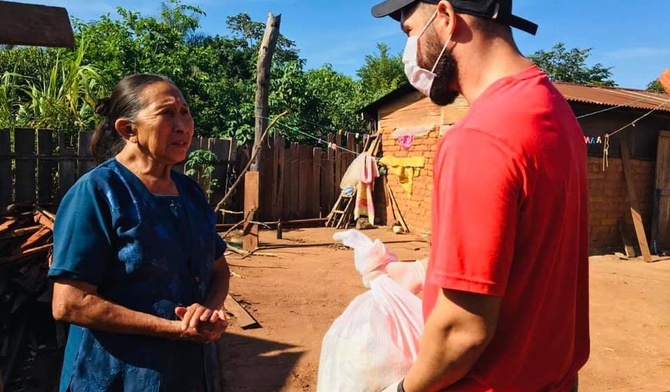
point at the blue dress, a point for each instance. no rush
(148, 253)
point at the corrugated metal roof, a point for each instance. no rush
(605, 96)
(613, 96)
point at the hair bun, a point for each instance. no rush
(102, 107)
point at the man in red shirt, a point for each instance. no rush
(506, 293)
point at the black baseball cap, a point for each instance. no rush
(498, 10)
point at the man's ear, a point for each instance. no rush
(446, 18)
(126, 129)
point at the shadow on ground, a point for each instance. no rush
(251, 364)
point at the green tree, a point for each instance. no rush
(381, 73)
(563, 65)
(217, 75)
(655, 87)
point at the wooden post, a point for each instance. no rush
(5, 170)
(634, 207)
(251, 202)
(46, 166)
(261, 110)
(26, 164)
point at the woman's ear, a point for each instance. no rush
(126, 129)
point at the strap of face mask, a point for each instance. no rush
(430, 20)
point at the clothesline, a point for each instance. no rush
(607, 136)
(320, 140)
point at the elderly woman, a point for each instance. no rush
(138, 267)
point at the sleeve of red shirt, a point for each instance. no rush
(477, 201)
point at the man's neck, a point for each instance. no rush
(485, 63)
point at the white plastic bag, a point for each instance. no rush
(368, 255)
(376, 339)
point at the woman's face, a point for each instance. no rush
(164, 126)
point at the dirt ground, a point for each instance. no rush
(297, 286)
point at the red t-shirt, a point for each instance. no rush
(510, 220)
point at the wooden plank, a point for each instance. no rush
(44, 219)
(294, 204)
(251, 202)
(38, 25)
(305, 175)
(351, 146)
(66, 167)
(331, 194)
(280, 149)
(391, 219)
(634, 207)
(339, 170)
(84, 165)
(244, 319)
(45, 166)
(397, 212)
(220, 148)
(316, 210)
(16, 233)
(26, 164)
(267, 182)
(5, 170)
(26, 254)
(660, 228)
(36, 239)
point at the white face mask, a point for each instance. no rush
(421, 79)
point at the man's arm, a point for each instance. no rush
(456, 333)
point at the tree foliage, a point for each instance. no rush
(570, 65)
(381, 73)
(655, 87)
(57, 88)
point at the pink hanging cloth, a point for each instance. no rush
(405, 141)
(366, 183)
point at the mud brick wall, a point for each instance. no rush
(608, 195)
(415, 209)
(414, 111)
(608, 201)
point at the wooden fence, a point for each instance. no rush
(303, 181)
(297, 181)
(41, 165)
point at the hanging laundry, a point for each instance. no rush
(405, 141)
(405, 168)
(366, 182)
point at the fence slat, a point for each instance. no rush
(339, 171)
(294, 205)
(66, 168)
(45, 166)
(25, 168)
(281, 178)
(221, 148)
(267, 184)
(315, 210)
(5, 170)
(83, 144)
(330, 174)
(305, 174)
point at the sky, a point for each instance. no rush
(630, 36)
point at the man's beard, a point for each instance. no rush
(442, 92)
